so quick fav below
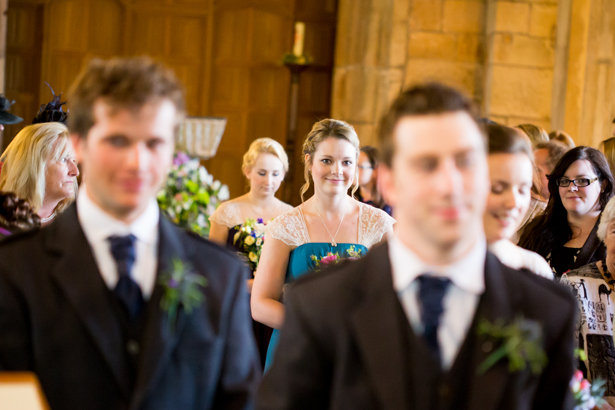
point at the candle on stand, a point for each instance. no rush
(299, 38)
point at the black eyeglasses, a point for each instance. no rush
(579, 182)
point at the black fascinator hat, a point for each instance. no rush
(52, 111)
(6, 118)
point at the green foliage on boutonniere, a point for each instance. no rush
(182, 287)
(520, 342)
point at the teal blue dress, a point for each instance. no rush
(300, 262)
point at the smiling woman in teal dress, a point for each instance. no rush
(329, 225)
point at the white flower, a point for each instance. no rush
(201, 220)
(223, 195)
(216, 185)
(203, 173)
(259, 241)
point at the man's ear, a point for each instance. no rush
(386, 185)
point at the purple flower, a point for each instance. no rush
(180, 159)
(173, 283)
(259, 220)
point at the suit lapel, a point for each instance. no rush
(376, 326)
(496, 303)
(78, 277)
(158, 340)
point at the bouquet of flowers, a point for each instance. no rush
(250, 238)
(587, 395)
(190, 194)
(331, 258)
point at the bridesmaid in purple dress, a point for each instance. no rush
(264, 165)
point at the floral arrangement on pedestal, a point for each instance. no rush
(250, 239)
(190, 194)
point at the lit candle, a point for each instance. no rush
(299, 38)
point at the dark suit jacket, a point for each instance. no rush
(342, 345)
(56, 319)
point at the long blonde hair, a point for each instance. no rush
(25, 162)
(328, 128)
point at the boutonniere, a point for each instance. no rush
(182, 287)
(520, 342)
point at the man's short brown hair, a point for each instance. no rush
(423, 99)
(127, 83)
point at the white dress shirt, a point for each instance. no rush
(98, 226)
(467, 277)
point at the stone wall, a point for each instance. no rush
(546, 62)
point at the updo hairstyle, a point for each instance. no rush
(264, 146)
(327, 128)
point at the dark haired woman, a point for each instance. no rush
(16, 215)
(368, 192)
(511, 169)
(565, 235)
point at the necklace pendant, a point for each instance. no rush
(334, 244)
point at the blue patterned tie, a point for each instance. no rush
(127, 290)
(431, 293)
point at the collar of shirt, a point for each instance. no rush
(468, 273)
(99, 225)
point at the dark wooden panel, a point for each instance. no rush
(148, 34)
(67, 25)
(23, 63)
(232, 37)
(106, 28)
(269, 39)
(266, 88)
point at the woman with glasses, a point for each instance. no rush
(580, 185)
(368, 191)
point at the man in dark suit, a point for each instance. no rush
(398, 329)
(80, 300)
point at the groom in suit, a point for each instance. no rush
(80, 300)
(399, 329)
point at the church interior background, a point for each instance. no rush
(546, 62)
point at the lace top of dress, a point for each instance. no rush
(229, 214)
(291, 229)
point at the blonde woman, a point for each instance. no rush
(264, 166)
(536, 134)
(328, 226)
(39, 165)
